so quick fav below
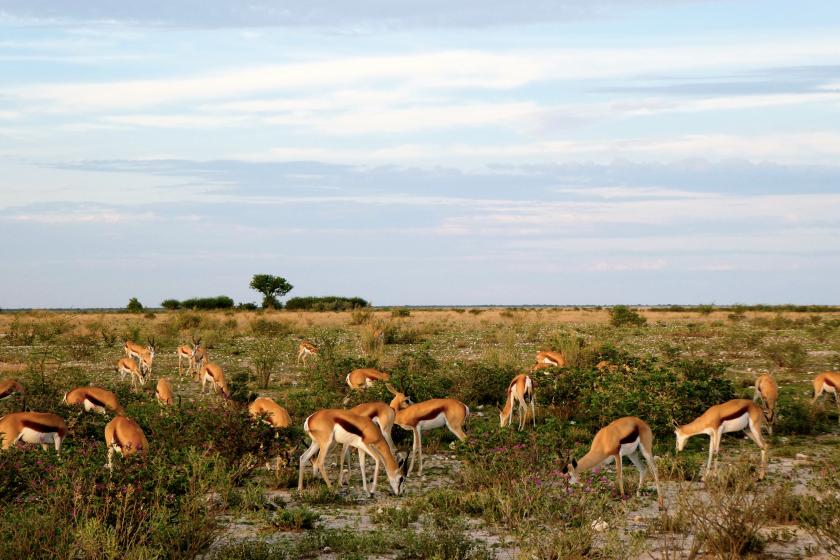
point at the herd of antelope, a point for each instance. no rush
(367, 427)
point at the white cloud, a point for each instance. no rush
(85, 217)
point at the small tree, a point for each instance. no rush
(134, 306)
(266, 353)
(623, 315)
(271, 287)
(170, 304)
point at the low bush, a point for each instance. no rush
(218, 302)
(621, 315)
(325, 303)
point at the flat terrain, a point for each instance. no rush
(203, 489)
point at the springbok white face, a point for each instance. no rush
(398, 479)
(571, 470)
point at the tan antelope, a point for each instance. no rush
(163, 392)
(135, 351)
(9, 387)
(380, 414)
(547, 359)
(94, 399)
(213, 373)
(124, 436)
(270, 412)
(306, 349)
(427, 415)
(626, 437)
(521, 392)
(147, 357)
(827, 382)
(128, 366)
(185, 352)
(33, 427)
(768, 391)
(731, 416)
(328, 426)
(199, 358)
(365, 377)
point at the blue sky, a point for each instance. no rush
(420, 153)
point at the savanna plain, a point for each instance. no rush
(219, 485)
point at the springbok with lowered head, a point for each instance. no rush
(270, 412)
(380, 414)
(306, 349)
(626, 437)
(124, 436)
(547, 359)
(213, 373)
(365, 377)
(32, 427)
(163, 392)
(767, 390)
(521, 392)
(94, 399)
(128, 366)
(827, 382)
(328, 426)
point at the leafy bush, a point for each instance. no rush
(134, 306)
(400, 312)
(218, 302)
(267, 327)
(786, 353)
(621, 315)
(326, 303)
(170, 304)
(266, 353)
(819, 515)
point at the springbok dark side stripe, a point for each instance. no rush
(7, 393)
(733, 415)
(827, 380)
(631, 437)
(431, 414)
(348, 426)
(42, 428)
(94, 400)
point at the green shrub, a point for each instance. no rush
(621, 315)
(400, 312)
(325, 303)
(170, 304)
(134, 306)
(218, 302)
(786, 353)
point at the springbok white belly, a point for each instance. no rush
(28, 435)
(438, 421)
(344, 437)
(829, 388)
(91, 406)
(736, 424)
(629, 448)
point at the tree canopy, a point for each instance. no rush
(271, 287)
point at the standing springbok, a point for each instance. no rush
(94, 398)
(827, 382)
(128, 366)
(625, 437)
(329, 426)
(427, 415)
(365, 377)
(33, 427)
(520, 390)
(213, 373)
(199, 358)
(731, 416)
(768, 391)
(164, 393)
(124, 436)
(306, 349)
(380, 414)
(185, 352)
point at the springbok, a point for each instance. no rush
(128, 366)
(33, 427)
(329, 426)
(213, 373)
(365, 377)
(768, 391)
(10, 387)
(94, 398)
(427, 415)
(520, 390)
(164, 393)
(306, 349)
(547, 359)
(731, 416)
(380, 414)
(827, 382)
(271, 413)
(625, 437)
(124, 436)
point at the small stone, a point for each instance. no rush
(327, 550)
(599, 525)
(802, 457)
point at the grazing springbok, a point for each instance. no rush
(10, 387)
(163, 392)
(365, 377)
(626, 437)
(270, 412)
(380, 414)
(427, 415)
(547, 359)
(731, 416)
(145, 355)
(199, 358)
(768, 391)
(96, 399)
(128, 366)
(306, 349)
(827, 382)
(329, 426)
(213, 373)
(33, 427)
(124, 436)
(185, 352)
(521, 392)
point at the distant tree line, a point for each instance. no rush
(326, 303)
(218, 302)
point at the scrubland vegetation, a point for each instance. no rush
(203, 489)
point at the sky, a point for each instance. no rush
(420, 153)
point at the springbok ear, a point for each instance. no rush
(391, 389)
(574, 462)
